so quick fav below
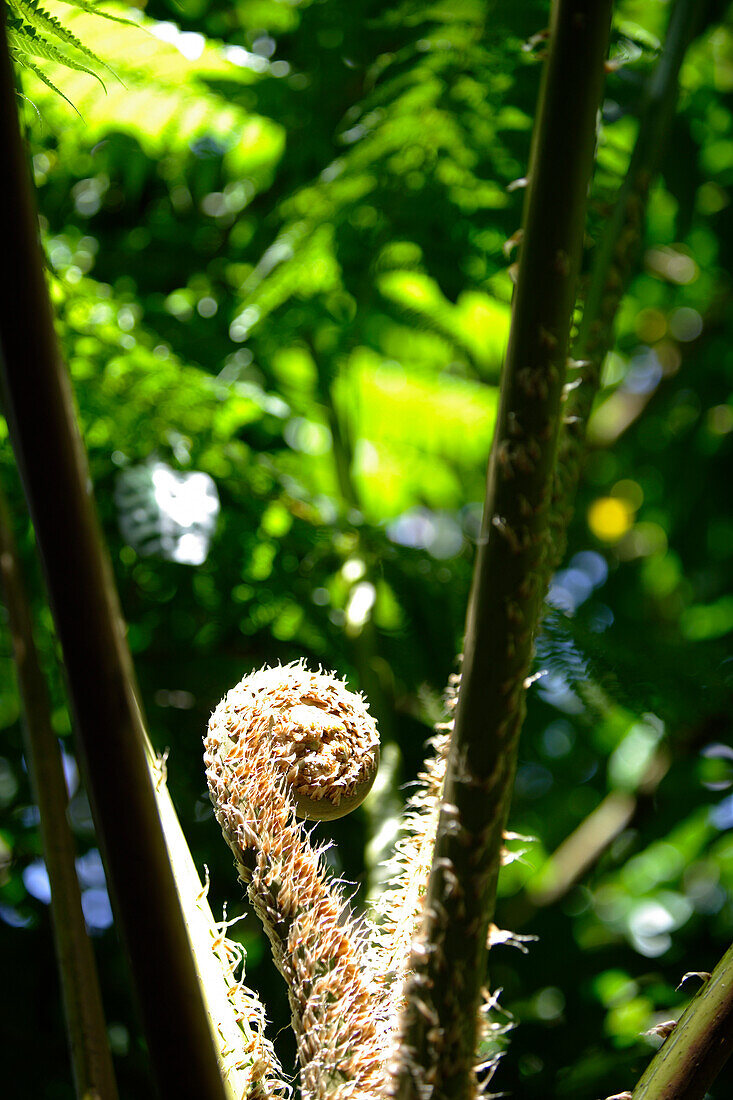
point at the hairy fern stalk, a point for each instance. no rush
(284, 733)
(284, 742)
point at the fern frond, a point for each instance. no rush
(164, 105)
(254, 742)
(48, 24)
(93, 9)
(25, 39)
(21, 59)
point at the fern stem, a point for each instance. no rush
(444, 991)
(616, 258)
(318, 949)
(108, 719)
(248, 1065)
(90, 1056)
(690, 1059)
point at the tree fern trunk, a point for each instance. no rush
(107, 715)
(449, 961)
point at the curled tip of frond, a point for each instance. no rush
(320, 736)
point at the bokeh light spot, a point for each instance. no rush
(609, 518)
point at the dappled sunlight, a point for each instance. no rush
(167, 513)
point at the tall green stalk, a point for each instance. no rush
(83, 1012)
(691, 1058)
(107, 714)
(439, 1028)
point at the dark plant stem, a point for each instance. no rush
(99, 671)
(689, 1060)
(444, 990)
(616, 259)
(90, 1055)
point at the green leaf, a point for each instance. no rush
(25, 39)
(24, 61)
(166, 103)
(48, 24)
(94, 9)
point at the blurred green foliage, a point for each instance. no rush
(276, 251)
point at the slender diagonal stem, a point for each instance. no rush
(691, 1058)
(108, 720)
(90, 1055)
(247, 1062)
(444, 990)
(616, 259)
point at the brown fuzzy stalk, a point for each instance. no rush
(251, 768)
(399, 909)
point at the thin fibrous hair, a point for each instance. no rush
(398, 912)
